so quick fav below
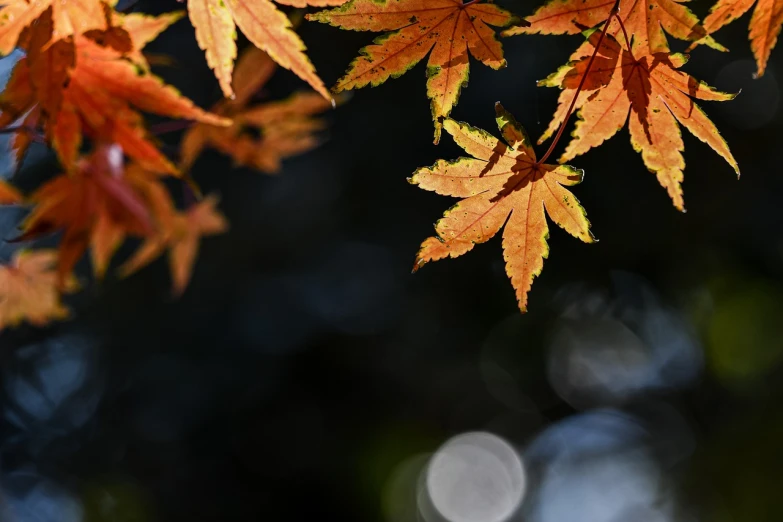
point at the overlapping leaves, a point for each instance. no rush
(83, 88)
(263, 24)
(102, 202)
(647, 20)
(85, 82)
(649, 93)
(89, 84)
(263, 134)
(69, 18)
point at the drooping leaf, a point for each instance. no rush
(764, 24)
(97, 205)
(451, 29)
(181, 236)
(261, 135)
(501, 185)
(101, 99)
(29, 289)
(651, 94)
(646, 20)
(70, 17)
(263, 24)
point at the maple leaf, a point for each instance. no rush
(261, 136)
(29, 289)
(502, 185)
(646, 20)
(69, 17)
(181, 237)
(647, 91)
(449, 28)
(97, 205)
(263, 24)
(96, 92)
(764, 24)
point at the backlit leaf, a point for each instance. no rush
(651, 94)
(101, 99)
(503, 187)
(764, 24)
(70, 17)
(646, 20)
(447, 30)
(263, 24)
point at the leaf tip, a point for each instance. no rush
(517, 25)
(417, 264)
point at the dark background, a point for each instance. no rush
(305, 366)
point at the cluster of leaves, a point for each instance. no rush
(84, 84)
(611, 79)
(83, 88)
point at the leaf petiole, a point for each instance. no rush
(615, 13)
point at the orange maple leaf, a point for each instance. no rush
(29, 289)
(278, 129)
(764, 24)
(95, 90)
(69, 17)
(648, 87)
(181, 237)
(97, 205)
(646, 20)
(449, 28)
(502, 185)
(263, 24)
